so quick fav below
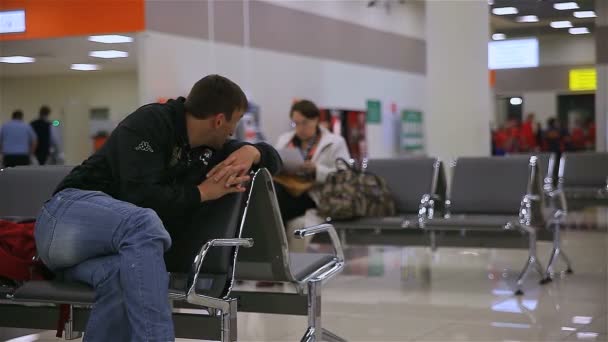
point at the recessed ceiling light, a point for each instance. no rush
(585, 14)
(505, 10)
(516, 101)
(561, 24)
(563, 6)
(85, 67)
(111, 39)
(109, 54)
(17, 59)
(490, 2)
(527, 19)
(499, 36)
(578, 30)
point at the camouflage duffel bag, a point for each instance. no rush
(350, 193)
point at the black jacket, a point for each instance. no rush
(147, 161)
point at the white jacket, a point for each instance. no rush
(331, 147)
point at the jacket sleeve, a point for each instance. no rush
(269, 157)
(141, 159)
(335, 151)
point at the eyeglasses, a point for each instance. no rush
(303, 123)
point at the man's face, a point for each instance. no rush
(225, 128)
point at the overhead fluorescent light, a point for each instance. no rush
(111, 39)
(578, 30)
(109, 54)
(568, 329)
(17, 59)
(585, 14)
(12, 21)
(527, 19)
(582, 320)
(510, 325)
(591, 336)
(85, 67)
(564, 6)
(499, 36)
(561, 24)
(505, 10)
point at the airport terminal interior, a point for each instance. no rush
(443, 171)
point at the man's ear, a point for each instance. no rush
(219, 119)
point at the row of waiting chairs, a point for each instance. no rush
(491, 202)
(251, 221)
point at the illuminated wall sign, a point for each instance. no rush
(513, 53)
(583, 79)
(12, 21)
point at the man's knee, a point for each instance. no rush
(147, 222)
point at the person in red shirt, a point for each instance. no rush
(590, 136)
(577, 137)
(527, 135)
(513, 132)
(500, 138)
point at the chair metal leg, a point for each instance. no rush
(433, 241)
(555, 254)
(331, 337)
(532, 262)
(314, 333)
(567, 261)
(68, 330)
(229, 325)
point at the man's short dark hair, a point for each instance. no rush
(45, 111)
(215, 94)
(17, 115)
(307, 108)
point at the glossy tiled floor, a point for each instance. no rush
(411, 294)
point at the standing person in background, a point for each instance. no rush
(499, 139)
(539, 136)
(577, 137)
(42, 127)
(17, 141)
(590, 134)
(553, 137)
(527, 137)
(513, 133)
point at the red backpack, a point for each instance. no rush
(18, 252)
(19, 262)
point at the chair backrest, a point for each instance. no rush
(409, 179)
(24, 189)
(584, 169)
(219, 219)
(493, 185)
(268, 259)
(547, 164)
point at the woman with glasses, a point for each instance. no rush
(319, 149)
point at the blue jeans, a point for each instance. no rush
(117, 248)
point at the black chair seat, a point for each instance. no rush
(472, 222)
(304, 264)
(585, 193)
(390, 222)
(55, 292)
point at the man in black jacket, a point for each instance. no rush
(42, 127)
(114, 216)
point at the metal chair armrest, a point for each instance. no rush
(191, 295)
(428, 205)
(323, 228)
